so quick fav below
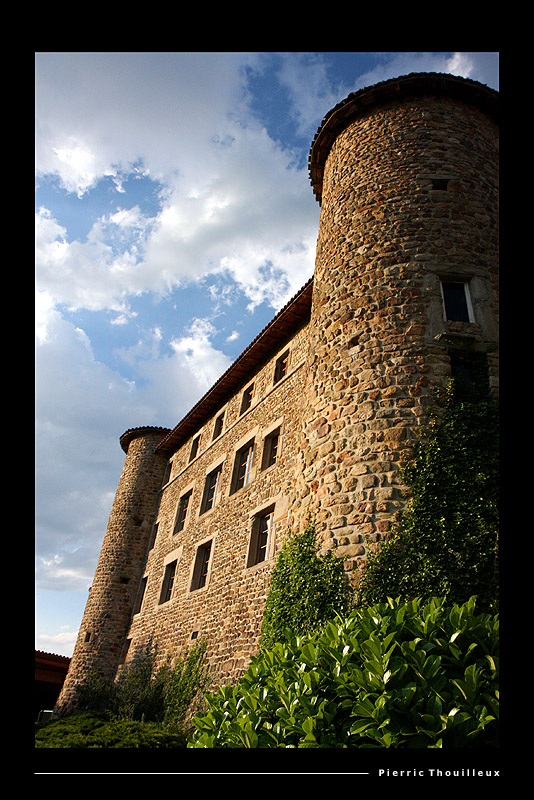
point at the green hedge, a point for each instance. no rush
(97, 730)
(396, 674)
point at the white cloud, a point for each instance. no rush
(82, 407)
(57, 642)
(172, 378)
(113, 109)
(229, 190)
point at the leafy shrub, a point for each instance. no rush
(92, 730)
(446, 544)
(138, 692)
(145, 693)
(305, 589)
(396, 674)
(186, 684)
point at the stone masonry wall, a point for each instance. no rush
(228, 610)
(409, 198)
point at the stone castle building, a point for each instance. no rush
(319, 411)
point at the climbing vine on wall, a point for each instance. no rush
(446, 543)
(306, 589)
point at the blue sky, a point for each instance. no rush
(174, 216)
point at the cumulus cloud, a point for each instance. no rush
(252, 218)
(78, 428)
(61, 643)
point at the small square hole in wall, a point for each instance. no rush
(440, 183)
(194, 635)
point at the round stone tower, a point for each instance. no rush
(405, 289)
(109, 608)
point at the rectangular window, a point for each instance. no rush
(217, 428)
(262, 526)
(194, 448)
(270, 449)
(167, 475)
(168, 582)
(200, 571)
(457, 301)
(280, 368)
(153, 534)
(140, 595)
(440, 183)
(243, 466)
(246, 401)
(211, 489)
(181, 514)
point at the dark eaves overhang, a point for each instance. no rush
(286, 322)
(416, 84)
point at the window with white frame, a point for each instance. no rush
(168, 582)
(194, 448)
(167, 474)
(140, 594)
(270, 449)
(218, 426)
(280, 368)
(260, 539)
(211, 489)
(246, 400)
(201, 567)
(243, 466)
(457, 301)
(181, 513)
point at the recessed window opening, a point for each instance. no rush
(243, 466)
(125, 651)
(270, 449)
(87, 636)
(183, 505)
(167, 475)
(262, 526)
(168, 582)
(217, 428)
(153, 534)
(440, 183)
(280, 368)
(246, 401)
(194, 448)
(211, 489)
(200, 570)
(457, 301)
(470, 369)
(140, 595)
